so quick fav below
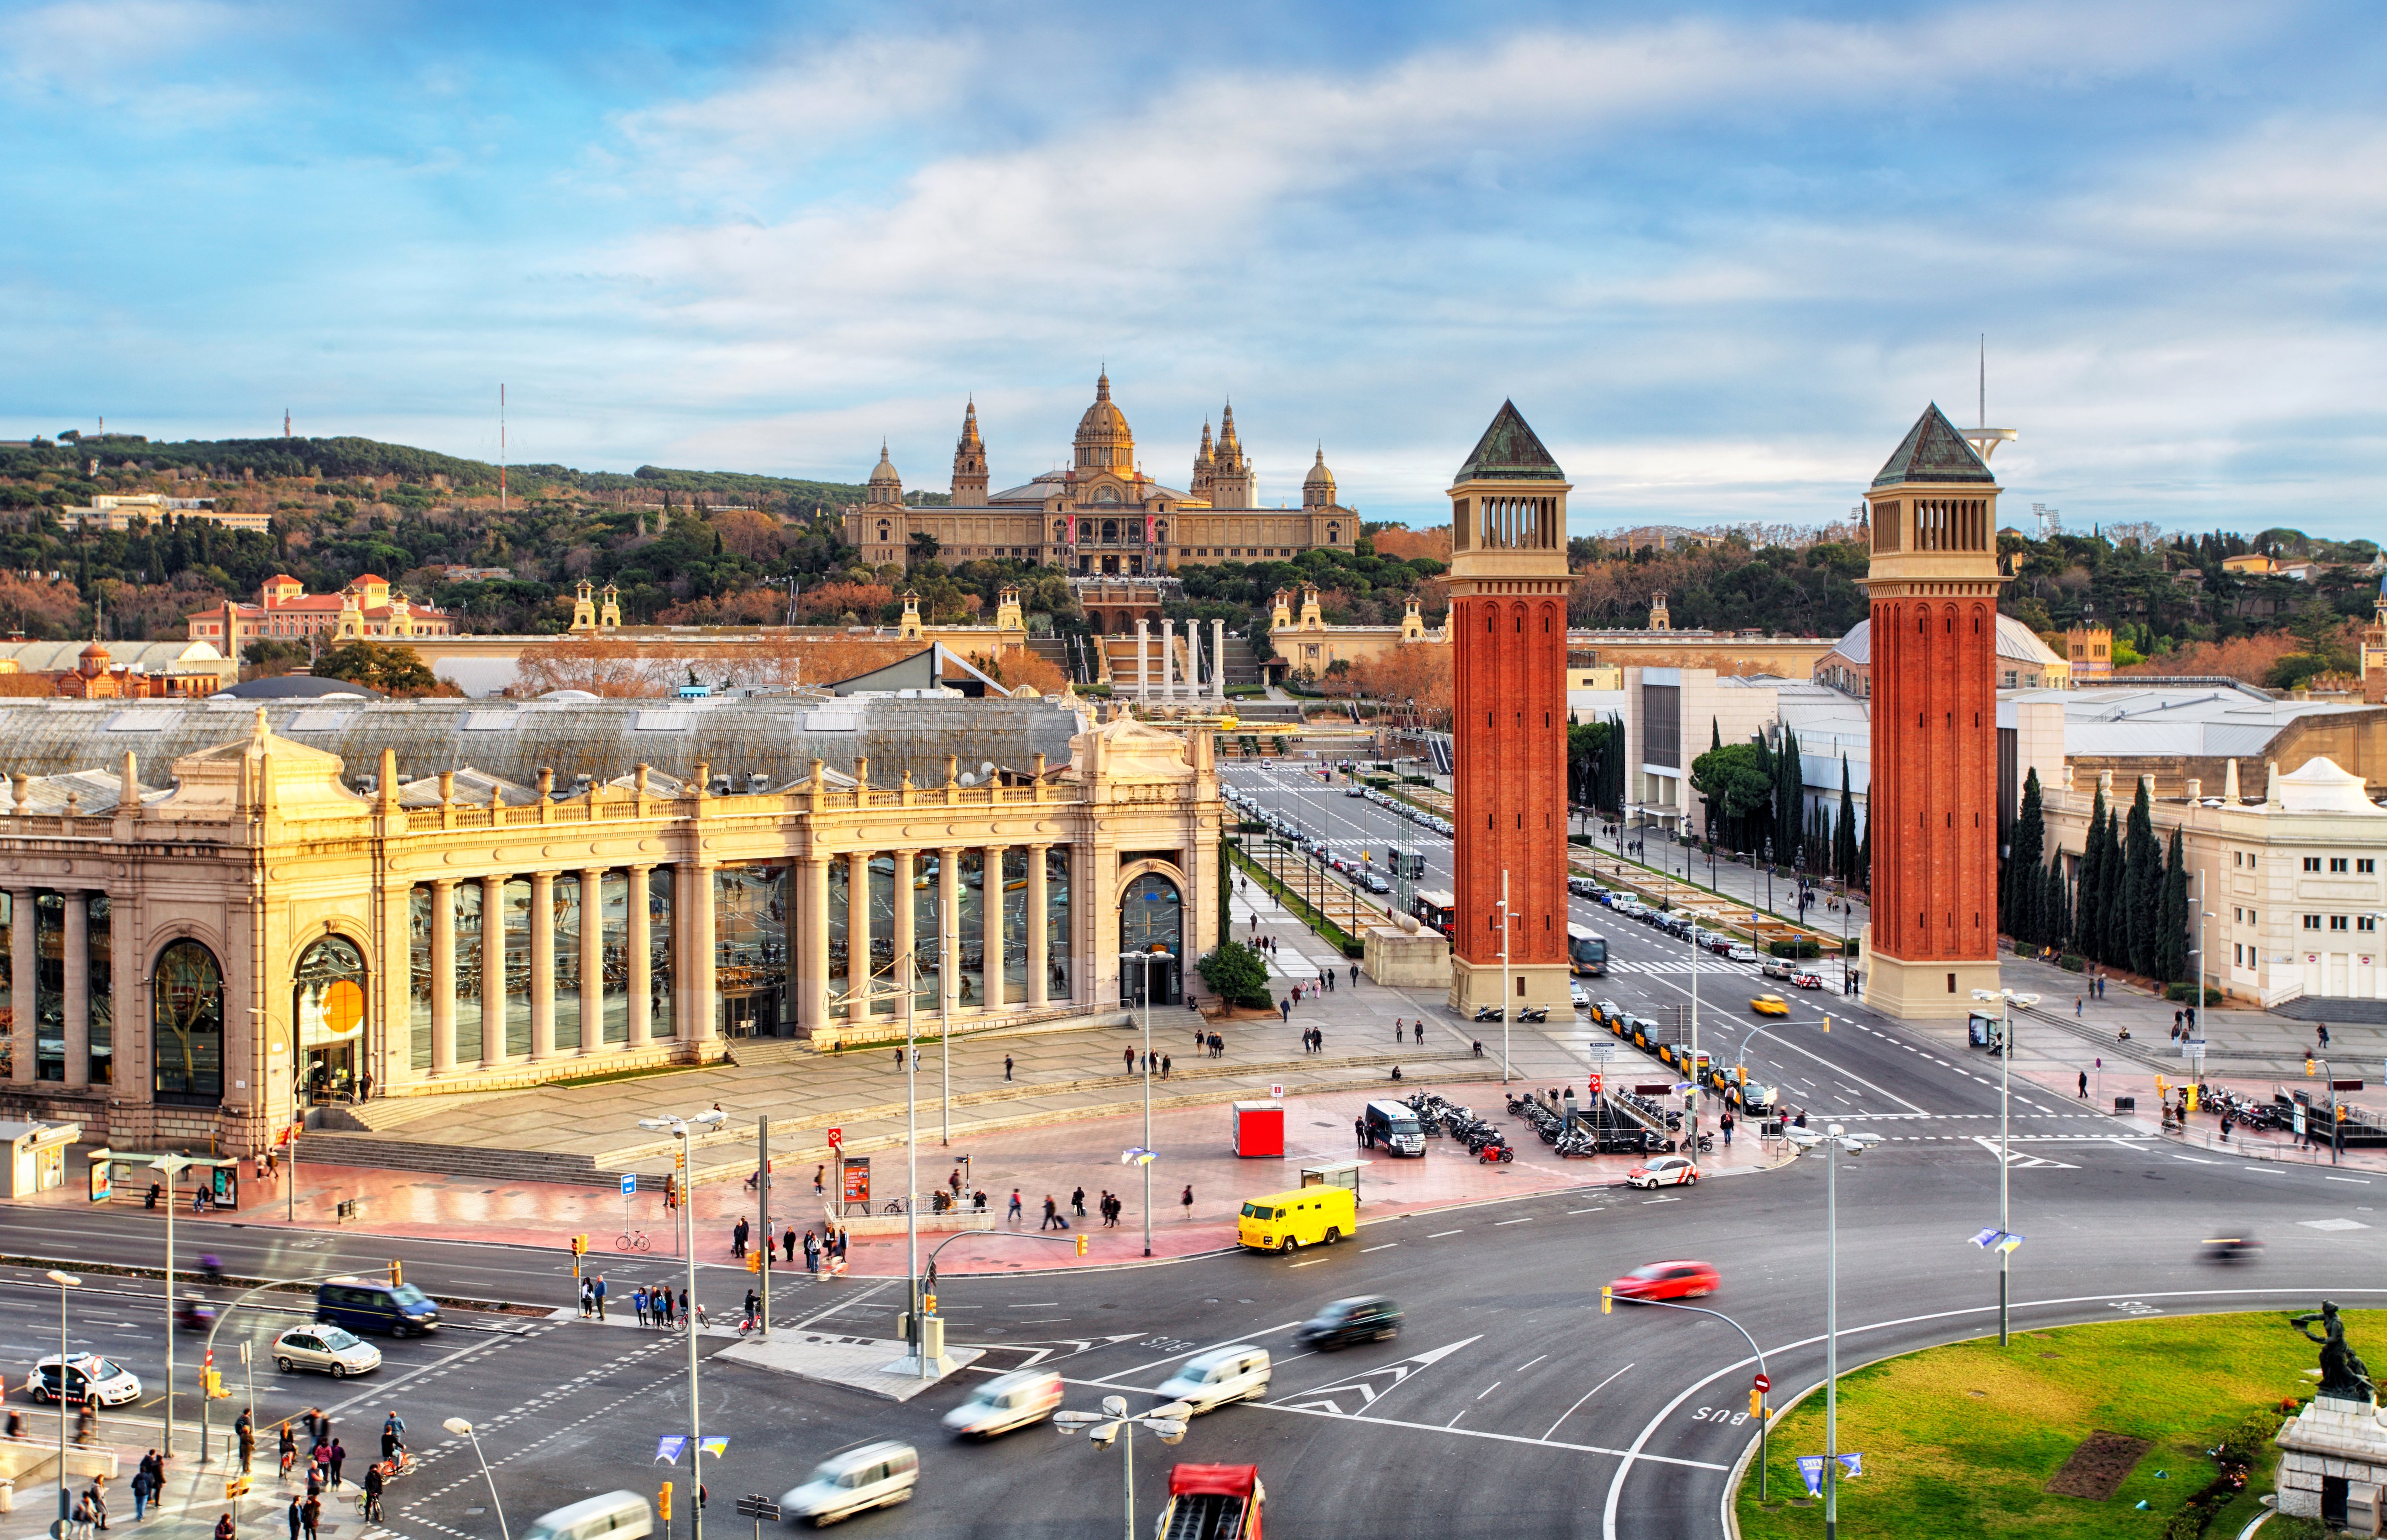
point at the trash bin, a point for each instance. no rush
(2126, 1104)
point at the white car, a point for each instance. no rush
(88, 1377)
(1664, 1171)
(1581, 995)
(1006, 1402)
(332, 1350)
(1742, 953)
(872, 1476)
(1223, 1374)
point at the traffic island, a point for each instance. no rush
(2070, 1434)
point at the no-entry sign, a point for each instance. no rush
(1762, 1384)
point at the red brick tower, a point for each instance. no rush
(1934, 583)
(1509, 585)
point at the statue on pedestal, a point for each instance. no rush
(2341, 1374)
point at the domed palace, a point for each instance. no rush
(1102, 516)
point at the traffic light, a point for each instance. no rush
(579, 1245)
(1757, 1403)
(2308, 1066)
(1828, 1024)
(213, 1383)
(663, 1502)
(396, 1274)
(754, 1261)
(1607, 1299)
(236, 1486)
(1082, 1245)
(2341, 1112)
(2190, 1092)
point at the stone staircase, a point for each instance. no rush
(1243, 668)
(1054, 651)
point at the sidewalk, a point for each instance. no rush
(194, 1497)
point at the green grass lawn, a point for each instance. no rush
(1960, 1440)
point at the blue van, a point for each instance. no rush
(402, 1311)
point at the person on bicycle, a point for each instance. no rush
(393, 1432)
(289, 1446)
(373, 1494)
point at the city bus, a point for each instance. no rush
(1587, 952)
(1435, 909)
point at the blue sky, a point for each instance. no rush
(1720, 257)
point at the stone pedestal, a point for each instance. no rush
(2334, 1463)
(1406, 956)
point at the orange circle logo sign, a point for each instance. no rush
(344, 1005)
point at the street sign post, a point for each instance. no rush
(758, 1508)
(1763, 1384)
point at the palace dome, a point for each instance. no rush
(1104, 441)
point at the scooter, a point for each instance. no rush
(1491, 1013)
(194, 1314)
(2234, 1248)
(1535, 1012)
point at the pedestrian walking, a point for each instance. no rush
(639, 1303)
(811, 1252)
(898, 1058)
(601, 1296)
(2084, 1084)
(246, 1431)
(1078, 1201)
(140, 1492)
(1727, 1125)
(1418, 1028)
(1128, 1056)
(314, 1515)
(662, 1301)
(1186, 1201)
(587, 1298)
(1013, 1214)
(1354, 976)
(788, 1245)
(737, 1234)
(339, 1455)
(226, 1529)
(2076, 1005)
(298, 1516)
(2321, 1032)
(1006, 1066)
(1164, 1067)
(1400, 1028)
(1284, 1008)
(1051, 1213)
(820, 1187)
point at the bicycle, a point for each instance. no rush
(635, 1240)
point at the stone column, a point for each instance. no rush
(542, 966)
(640, 942)
(809, 951)
(1218, 660)
(1143, 658)
(493, 971)
(77, 943)
(443, 976)
(592, 960)
(698, 952)
(1194, 660)
(904, 940)
(1168, 660)
(1038, 942)
(23, 958)
(949, 929)
(991, 929)
(857, 938)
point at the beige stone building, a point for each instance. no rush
(560, 889)
(1102, 516)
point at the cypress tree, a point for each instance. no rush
(1864, 862)
(1844, 832)
(2174, 958)
(2054, 905)
(2113, 898)
(1791, 796)
(2142, 907)
(2088, 911)
(2024, 881)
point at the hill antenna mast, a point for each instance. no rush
(501, 450)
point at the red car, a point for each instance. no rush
(1667, 1281)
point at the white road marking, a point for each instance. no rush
(1586, 1395)
(2359, 1181)
(1440, 1233)
(1386, 1247)
(1526, 1220)
(1489, 1389)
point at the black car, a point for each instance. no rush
(1365, 1318)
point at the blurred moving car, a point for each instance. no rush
(1667, 1281)
(1213, 1379)
(874, 1475)
(1769, 1004)
(1006, 1402)
(613, 1516)
(1363, 1317)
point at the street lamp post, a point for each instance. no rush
(1144, 959)
(463, 1429)
(169, 1165)
(1834, 1138)
(1168, 1423)
(1505, 1009)
(2007, 1000)
(681, 1128)
(64, 1281)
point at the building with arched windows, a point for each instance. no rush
(362, 899)
(1102, 516)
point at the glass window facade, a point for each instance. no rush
(517, 964)
(839, 944)
(186, 1036)
(928, 940)
(99, 951)
(749, 952)
(418, 977)
(882, 936)
(661, 1021)
(1015, 924)
(1060, 974)
(467, 896)
(565, 901)
(969, 941)
(614, 921)
(49, 986)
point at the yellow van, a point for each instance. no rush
(1302, 1218)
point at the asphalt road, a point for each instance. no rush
(1509, 1407)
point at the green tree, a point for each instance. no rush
(1736, 781)
(382, 665)
(2018, 903)
(2088, 911)
(1844, 831)
(2142, 895)
(1789, 800)
(1236, 974)
(2171, 949)
(2056, 904)
(270, 656)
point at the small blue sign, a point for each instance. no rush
(629, 1182)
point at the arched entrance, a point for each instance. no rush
(328, 1002)
(1152, 920)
